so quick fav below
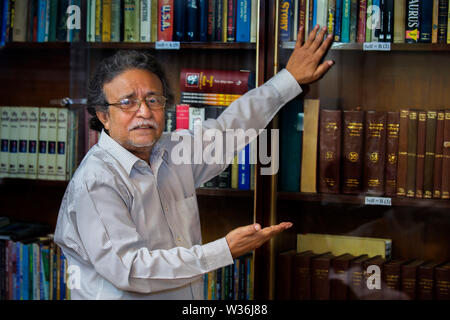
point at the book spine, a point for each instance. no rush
(420, 162)
(254, 21)
(391, 279)
(402, 165)
(243, 21)
(345, 32)
(322, 13)
(446, 158)
(43, 143)
(442, 21)
(331, 17)
(376, 18)
(302, 17)
(285, 20)
(211, 30)
(352, 151)
(390, 14)
(369, 14)
(361, 36)
(353, 20)
(13, 141)
(393, 129)
(98, 21)
(308, 174)
(165, 20)
(235, 173)
(192, 12)
(22, 163)
(442, 280)
(425, 279)
(329, 150)
(182, 112)
(4, 136)
(213, 81)
(399, 21)
(412, 21)
(4, 22)
(179, 15)
(203, 20)
(409, 281)
(438, 154)
(320, 283)
(131, 20)
(20, 23)
(244, 168)
(218, 20)
(382, 34)
(61, 157)
(375, 149)
(412, 154)
(41, 20)
(338, 21)
(425, 23)
(52, 139)
(231, 20)
(145, 17)
(115, 20)
(435, 21)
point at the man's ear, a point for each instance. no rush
(103, 116)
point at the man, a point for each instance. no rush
(129, 218)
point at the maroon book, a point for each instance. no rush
(214, 81)
(442, 280)
(420, 160)
(372, 286)
(391, 279)
(425, 281)
(284, 274)
(339, 276)
(446, 158)
(392, 134)
(320, 281)
(352, 151)
(409, 279)
(439, 149)
(356, 277)
(301, 278)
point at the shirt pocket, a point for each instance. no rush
(188, 222)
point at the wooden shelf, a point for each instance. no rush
(27, 183)
(224, 192)
(360, 200)
(394, 46)
(128, 45)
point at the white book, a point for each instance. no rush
(196, 115)
(33, 142)
(22, 157)
(307, 18)
(92, 21)
(4, 136)
(146, 11)
(61, 156)
(322, 13)
(295, 24)
(254, 20)
(43, 143)
(52, 138)
(13, 141)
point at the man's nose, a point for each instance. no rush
(144, 111)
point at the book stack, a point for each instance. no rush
(402, 153)
(409, 21)
(330, 267)
(233, 282)
(128, 20)
(38, 143)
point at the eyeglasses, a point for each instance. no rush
(133, 104)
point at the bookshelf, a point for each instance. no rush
(407, 76)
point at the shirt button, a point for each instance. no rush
(179, 239)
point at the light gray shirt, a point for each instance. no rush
(131, 230)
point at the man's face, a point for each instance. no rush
(135, 131)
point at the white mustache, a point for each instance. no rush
(150, 123)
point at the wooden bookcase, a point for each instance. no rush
(408, 76)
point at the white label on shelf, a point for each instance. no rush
(167, 45)
(378, 201)
(377, 46)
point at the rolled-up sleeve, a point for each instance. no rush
(120, 254)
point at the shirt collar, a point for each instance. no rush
(126, 159)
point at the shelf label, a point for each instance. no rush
(378, 201)
(377, 46)
(167, 45)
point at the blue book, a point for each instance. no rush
(338, 21)
(286, 16)
(203, 20)
(18, 272)
(314, 13)
(219, 284)
(205, 286)
(243, 16)
(345, 29)
(179, 20)
(4, 21)
(377, 31)
(244, 168)
(192, 12)
(42, 17)
(426, 21)
(62, 277)
(25, 290)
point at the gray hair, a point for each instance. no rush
(113, 66)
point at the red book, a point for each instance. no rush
(231, 21)
(214, 81)
(165, 20)
(361, 37)
(182, 116)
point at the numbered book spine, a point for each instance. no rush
(43, 143)
(33, 138)
(4, 136)
(22, 161)
(61, 156)
(13, 141)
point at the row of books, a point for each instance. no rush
(394, 153)
(38, 143)
(402, 21)
(233, 282)
(129, 20)
(333, 267)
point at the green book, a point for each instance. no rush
(131, 21)
(115, 20)
(53, 20)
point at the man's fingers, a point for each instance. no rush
(300, 37)
(269, 232)
(312, 36)
(325, 46)
(319, 39)
(324, 67)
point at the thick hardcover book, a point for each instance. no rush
(291, 145)
(372, 286)
(442, 21)
(339, 275)
(409, 279)
(391, 279)
(420, 162)
(330, 129)
(179, 20)
(446, 158)
(182, 113)
(52, 136)
(374, 152)
(165, 20)
(412, 24)
(356, 281)
(33, 137)
(309, 144)
(425, 281)
(392, 136)
(286, 17)
(430, 144)
(284, 275)
(214, 81)
(203, 20)
(301, 276)
(352, 151)
(438, 149)
(402, 165)
(361, 36)
(426, 21)
(412, 154)
(442, 280)
(320, 281)
(399, 21)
